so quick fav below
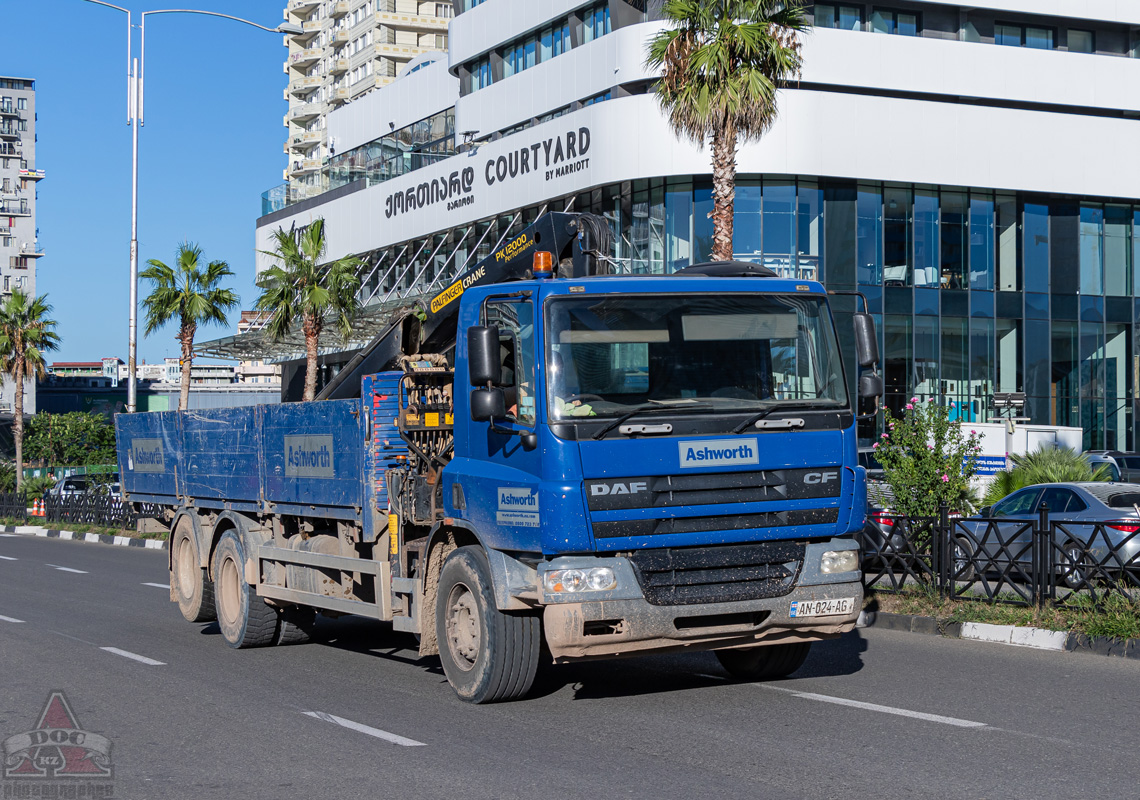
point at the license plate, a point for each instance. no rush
(822, 608)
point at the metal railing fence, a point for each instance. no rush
(1029, 563)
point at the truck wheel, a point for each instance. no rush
(764, 663)
(295, 625)
(192, 586)
(245, 619)
(487, 655)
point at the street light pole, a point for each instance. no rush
(135, 67)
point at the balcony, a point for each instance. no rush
(9, 132)
(5, 230)
(305, 167)
(339, 66)
(339, 9)
(340, 38)
(413, 21)
(302, 7)
(9, 110)
(32, 174)
(303, 58)
(304, 142)
(402, 52)
(300, 87)
(12, 209)
(31, 249)
(10, 150)
(303, 113)
(341, 95)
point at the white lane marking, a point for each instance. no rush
(8, 558)
(67, 569)
(356, 726)
(11, 619)
(901, 712)
(158, 585)
(134, 657)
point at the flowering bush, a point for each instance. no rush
(928, 460)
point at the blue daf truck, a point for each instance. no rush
(544, 460)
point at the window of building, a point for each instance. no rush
(481, 76)
(596, 21)
(554, 41)
(1081, 41)
(598, 98)
(1018, 36)
(848, 18)
(470, 4)
(1009, 35)
(1091, 253)
(22, 103)
(520, 56)
(898, 22)
(443, 10)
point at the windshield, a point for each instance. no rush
(745, 352)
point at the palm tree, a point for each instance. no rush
(301, 289)
(191, 294)
(721, 65)
(1046, 464)
(26, 333)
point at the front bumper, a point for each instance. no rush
(627, 624)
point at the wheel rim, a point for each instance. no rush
(464, 633)
(961, 560)
(186, 567)
(230, 594)
(1073, 574)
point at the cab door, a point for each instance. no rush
(502, 494)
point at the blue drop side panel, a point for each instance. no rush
(338, 419)
(220, 454)
(161, 425)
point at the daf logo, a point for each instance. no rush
(602, 489)
(821, 477)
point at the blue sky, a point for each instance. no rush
(212, 143)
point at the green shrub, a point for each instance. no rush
(35, 488)
(928, 460)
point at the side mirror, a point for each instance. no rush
(529, 440)
(985, 511)
(483, 365)
(488, 405)
(866, 341)
(870, 385)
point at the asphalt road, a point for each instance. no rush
(357, 714)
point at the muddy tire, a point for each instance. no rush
(244, 618)
(192, 586)
(487, 655)
(295, 625)
(764, 663)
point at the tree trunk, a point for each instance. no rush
(18, 422)
(312, 328)
(724, 191)
(186, 337)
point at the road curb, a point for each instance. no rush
(97, 538)
(1011, 635)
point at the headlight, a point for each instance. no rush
(839, 561)
(594, 579)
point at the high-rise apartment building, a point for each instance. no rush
(19, 246)
(347, 49)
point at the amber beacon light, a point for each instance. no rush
(543, 264)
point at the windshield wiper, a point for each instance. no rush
(782, 406)
(645, 408)
(759, 415)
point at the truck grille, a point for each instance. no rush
(725, 573)
(670, 491)
(719, 522)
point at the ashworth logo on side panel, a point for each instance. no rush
(518, 507)
(145, 455)
(719, 452)
(309, 457)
